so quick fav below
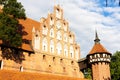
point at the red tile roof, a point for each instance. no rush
(98, 48)
(28, 25)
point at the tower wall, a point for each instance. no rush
(101, 71)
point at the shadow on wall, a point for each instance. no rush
(13, 53)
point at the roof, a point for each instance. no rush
(98, 48)
(27, 26)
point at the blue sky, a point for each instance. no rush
(84, 16)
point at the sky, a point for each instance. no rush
(84, 17)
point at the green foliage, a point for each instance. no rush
(14, 8)
(11, 30)
(9, 25)
(115, 66)
(88, 73)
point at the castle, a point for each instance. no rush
(49, 47)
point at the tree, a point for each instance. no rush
(88, 73)
(112, 1)
(115, 66)
(10, 30)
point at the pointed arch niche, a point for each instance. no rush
(52, 32)
(51, 46)
(51, 20)
(77, 53)
(66, 50)
(44, 44)
(59, 35)
(44, 29)
(59, 48)
(71, 52)
(37, 41)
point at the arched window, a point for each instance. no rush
(65, 37)
(59, 36)
(65, 26)
(51, 21)
(36, 42)
(52, 46)
(66, 50)
(58, 24)
(59, 48)
(45, 30)
(70, 38)
(71, 52)
(77, 53)
(44, 44)
(58, 13)
(51, 32)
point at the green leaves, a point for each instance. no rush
(115, 66)
(9, 32)
(15, 9)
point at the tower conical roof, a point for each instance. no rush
(98, 47)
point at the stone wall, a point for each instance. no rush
(43, 63)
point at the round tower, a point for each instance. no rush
(99, 59)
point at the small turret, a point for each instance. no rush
(99, 58)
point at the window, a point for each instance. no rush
(64, 69)
(70, 39)
(61, 60)
(45, 30)
(59, 36)
(44, 57)
(59, 48)
(77, 53)
(72, 62)
(53, 59)
(66, 50)
(49, 68)
(44, 44)
(58, 13)
(58, 24)
(21, 68)
(71, 52)
(51, 46)
(65, 26)
(1, 64)
(65, 37)
(51, 21)
(51, 32)
(37, 42)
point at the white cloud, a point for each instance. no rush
(83, 17)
